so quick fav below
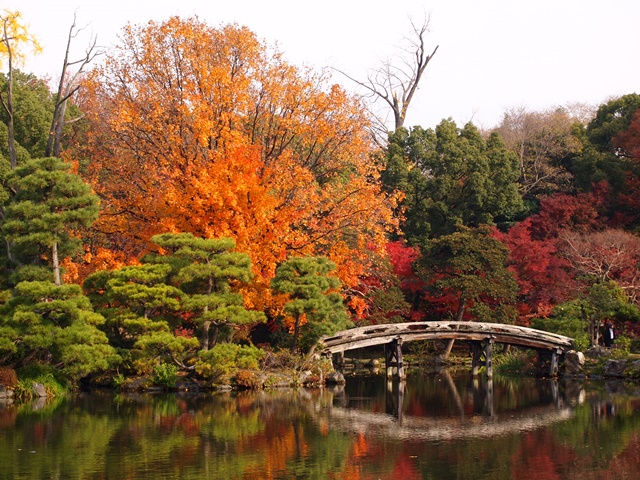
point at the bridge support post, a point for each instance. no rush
(554, 363)
(393, 359)
(488, 356)
(476, 355)
(338, 361)
(478, 350)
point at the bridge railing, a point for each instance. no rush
(361, 337)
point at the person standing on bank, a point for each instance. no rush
(608, 335)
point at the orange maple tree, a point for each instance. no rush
(207, 130)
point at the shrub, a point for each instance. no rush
(165, 374)
(225, 358)
(634, 346)
(143, 366)
(623, 345)
(510, 363)
(54, 383)
(8, 377)
(118, 380)
(565, 321)
(248, 379)
(281, 359)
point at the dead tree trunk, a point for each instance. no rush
(66, 88)
(397, 80)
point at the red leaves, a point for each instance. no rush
(574, 212)
(627, 143)
(542, 275)
(402, 257)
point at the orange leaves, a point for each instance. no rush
(102, 259)
(205, 130)
(290, 322)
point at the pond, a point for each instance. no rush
(438, 426)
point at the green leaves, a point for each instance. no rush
(48, 202)
(55, 324)
(206, 271)
(451, 177)
(224, 358)
(193, 283)
(471, 265)
(314, 304)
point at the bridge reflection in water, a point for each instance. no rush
(482, 420)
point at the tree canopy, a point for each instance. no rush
(451, 177)
(206, 130)
(211, 195)
(314, 305)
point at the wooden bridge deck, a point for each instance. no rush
(496, 332)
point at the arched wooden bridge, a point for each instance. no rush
(481, 337)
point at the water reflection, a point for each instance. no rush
(435, 410)
(436, 426)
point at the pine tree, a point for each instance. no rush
(54, 324)
(205, 271)
(314, 305)
(48, 203)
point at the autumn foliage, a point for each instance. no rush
(206, 130)
(544, 275)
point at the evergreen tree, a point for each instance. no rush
(142, 312)
(314, 305)
(206, 271)
(33, 112)
(470, 267)
(49, 202)
(600, 158)
(46, 323)
(451, 177)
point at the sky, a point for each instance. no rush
(493, 55)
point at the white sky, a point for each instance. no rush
(493, 54)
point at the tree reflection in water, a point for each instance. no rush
(436, 426)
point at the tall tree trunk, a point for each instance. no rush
(459, 316)
(462, 304)
(56, 264)
(204, 340)
(57, 127)
(13, 158)
(447, 350)
(8, 107)
(66, 89)
(9, 254)
(296, 333)
(214, 338)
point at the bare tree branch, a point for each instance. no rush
(68, 86)
(396, 81)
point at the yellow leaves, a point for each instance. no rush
(15, 33)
